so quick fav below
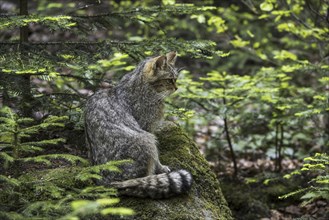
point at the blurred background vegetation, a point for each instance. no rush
(254, 92)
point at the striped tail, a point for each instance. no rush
(158, 186)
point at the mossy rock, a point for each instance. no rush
(204, 201)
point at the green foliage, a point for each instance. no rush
(51, 194)
(78, 62)
(15, 133)
(46, 159)
(151, 16)
(53, 22)
(93, 172)
(318, 167)
(84, 208)
(9, 181)
(270, 88)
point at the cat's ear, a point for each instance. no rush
(171, 58)
(160, 63)
(153, 65)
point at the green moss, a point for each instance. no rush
(39, 192)
(204, 201)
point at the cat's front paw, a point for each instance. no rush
(164, 169)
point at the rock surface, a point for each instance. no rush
(177, 150)
(204, 201)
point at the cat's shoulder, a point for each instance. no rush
(101, 93)
(100, 96)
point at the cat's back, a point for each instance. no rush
(104, 110)
(101, 106)
(98, 99)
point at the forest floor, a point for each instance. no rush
(254, 192)
(250, 196)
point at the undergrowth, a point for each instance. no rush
(66, 192)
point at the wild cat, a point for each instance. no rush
(120, 123)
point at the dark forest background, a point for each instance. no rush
(253, 94)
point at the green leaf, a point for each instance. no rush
(293, 193)
(10, 181)
(320, 97)
(284, 54)
(238, 42)
(87, 176)
(168, 2)
(46, 158)
(45, 142)
(79, 203)
(324, 79)
(217, 23)
(7, 157)
(55, 5)
(117, 211)
(200, 18)
(108, 201)
(266, 6)
(25, 120)
(38, 159)
(30, 148)
(310, 195)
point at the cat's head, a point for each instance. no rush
(160, 73)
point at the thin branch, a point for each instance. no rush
(8, 15)
(318, 15)
(295, 16)
(281, 146)
(228, 138)
(112, 14)
(250, 5)
(201, 105)
(26, 85)
(84, 7)
(71, 43)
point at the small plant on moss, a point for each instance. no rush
(60, 193)
(83, 208)
(16, 133)
(318, 188)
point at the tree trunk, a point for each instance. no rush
(25, 83)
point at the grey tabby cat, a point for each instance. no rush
(120, 123)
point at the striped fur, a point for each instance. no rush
(156, 186)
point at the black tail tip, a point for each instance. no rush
(187, 180)
(181, 181)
